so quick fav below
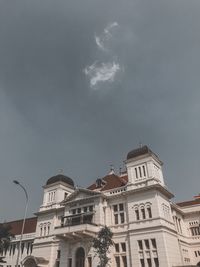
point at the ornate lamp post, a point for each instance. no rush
(23, 224)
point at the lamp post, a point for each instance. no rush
(23, 224)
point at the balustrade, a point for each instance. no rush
(76, 219)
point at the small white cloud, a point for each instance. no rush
(102, 39)
(108, 29)
(101, 72)
(99, 43)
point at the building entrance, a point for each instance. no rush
(80, 257)
(30, 262)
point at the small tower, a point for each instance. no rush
(144, 165)
(57, 188)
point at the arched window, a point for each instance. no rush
(149, 212)
(22, 248)
(136, 173)
(41, 228)
(48, 228)
(142, 209)
(45, 229)
(137, 215)
(140, 172)
(144, 171)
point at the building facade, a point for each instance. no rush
(149, 230)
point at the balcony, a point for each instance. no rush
(77, 226)
(77, 219)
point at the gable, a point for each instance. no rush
(81, 194)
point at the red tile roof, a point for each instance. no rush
(189, 203)
(110, 181)
(16, 226)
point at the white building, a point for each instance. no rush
(149, 230)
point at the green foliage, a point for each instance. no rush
(101, 244)
(5, 236)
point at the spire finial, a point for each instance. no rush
(111, 169)
(60, 171)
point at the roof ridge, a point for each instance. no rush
(19, 220)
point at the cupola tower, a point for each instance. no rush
(144, 165)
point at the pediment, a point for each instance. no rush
(81, 194)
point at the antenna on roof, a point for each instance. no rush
(140, 144)
(60, 171)
(111, 169)
(124, 165)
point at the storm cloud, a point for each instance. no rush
(145, 67)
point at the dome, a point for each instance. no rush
(60, 178)
(140, 151)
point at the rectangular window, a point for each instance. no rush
(124, 260)
(146, 241)
(6, 249)
(142, 263)
(119, 213)
(116, 247)
(117, 260)
(69, 262)
(58, 254)
(14, 247)
(51, 196)
(153, 242)
(91, 208)
(149, 250)
(123, 246)
(140, 246)
(85, 209)
(149, 264)
(28, 247)
(121, 207)
(79, 210)
(116, 218)
(122, 217)
(22, 248)
(10, 250)
(156, 262)
(115, 208)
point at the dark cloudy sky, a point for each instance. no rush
(83, 82)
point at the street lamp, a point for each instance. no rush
(23, 224)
